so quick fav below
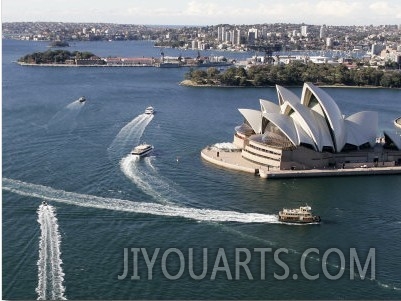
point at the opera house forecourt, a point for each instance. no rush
(307, 136)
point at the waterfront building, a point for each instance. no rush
(311, 132)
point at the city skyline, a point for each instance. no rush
(184, 12)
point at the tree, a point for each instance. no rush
(212, 72)
(386, 80)
(199, 76)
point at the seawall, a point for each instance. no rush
(233, 160)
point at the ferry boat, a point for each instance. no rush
(142, 150)
(302, 215)
(149, 110)
(82, 99)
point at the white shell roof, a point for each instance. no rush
(329, 110)
(285, 124)
(361, 127)
(286, 95)
(396, 138)
(310, 123)
(268, 106)
(254, 118)
(319, 124)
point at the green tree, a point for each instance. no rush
(229, 77)
(199, 76)
(212, 72)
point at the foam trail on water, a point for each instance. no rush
(146, 177)
(91, 201)
(50, 272)
(129, 136)
(66, 118)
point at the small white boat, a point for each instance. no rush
(301, 215)
(397, 122)
(149, 110)
(142, 150)
(82, 99)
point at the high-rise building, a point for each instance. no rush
(235, 36)
(252, 36)
(323, 32)
(220, 33)
(304, 30)
(227, 36)
(377, 48)
(329, 42)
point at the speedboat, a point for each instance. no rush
(301, 215)
(44, 203)
(142, 150)
(149, 110)
(82, 99)
(397, 122)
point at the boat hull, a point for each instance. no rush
(142, 153)
(285, 219)
(149, 111)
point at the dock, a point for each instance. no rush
(233, 160)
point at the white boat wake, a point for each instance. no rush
(91, 201)
(146, 177)
(50, 273)
(49, 226)
(129, 136)
(141, 171)
(66, 119)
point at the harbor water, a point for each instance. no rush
(103, 204)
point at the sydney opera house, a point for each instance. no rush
(311, 132)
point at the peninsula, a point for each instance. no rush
(294, 74)
(307, 136)
(64, 58)
(60, 58)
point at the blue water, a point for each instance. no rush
(101, 200)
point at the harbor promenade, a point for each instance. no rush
(233, 160)
(229, 159)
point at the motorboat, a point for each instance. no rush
(142, 150)
(301, 215)
(397, 122)
(149, 110)
(82, 99)
(44, 203)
